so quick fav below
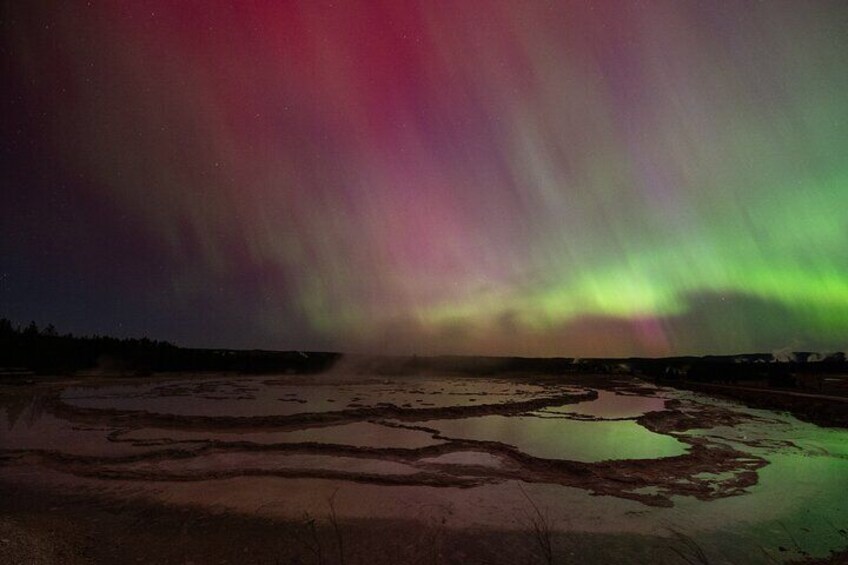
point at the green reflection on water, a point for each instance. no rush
(799, 502)
(559, 438)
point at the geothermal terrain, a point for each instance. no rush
(353, 468)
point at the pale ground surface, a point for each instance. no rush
(591, 456)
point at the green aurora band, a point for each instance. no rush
(582, 178)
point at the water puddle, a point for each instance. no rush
(560, 438)
(248, 463)
(358, 434)
(473, 458)
(611, 406)
(283, 396)
(45, 432)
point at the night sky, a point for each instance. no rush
(539, 178)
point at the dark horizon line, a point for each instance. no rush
(20, 328)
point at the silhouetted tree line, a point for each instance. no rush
(45, 351)
(733, 369)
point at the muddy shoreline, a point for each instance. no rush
(832, 412)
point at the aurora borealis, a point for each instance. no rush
(537, 178)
